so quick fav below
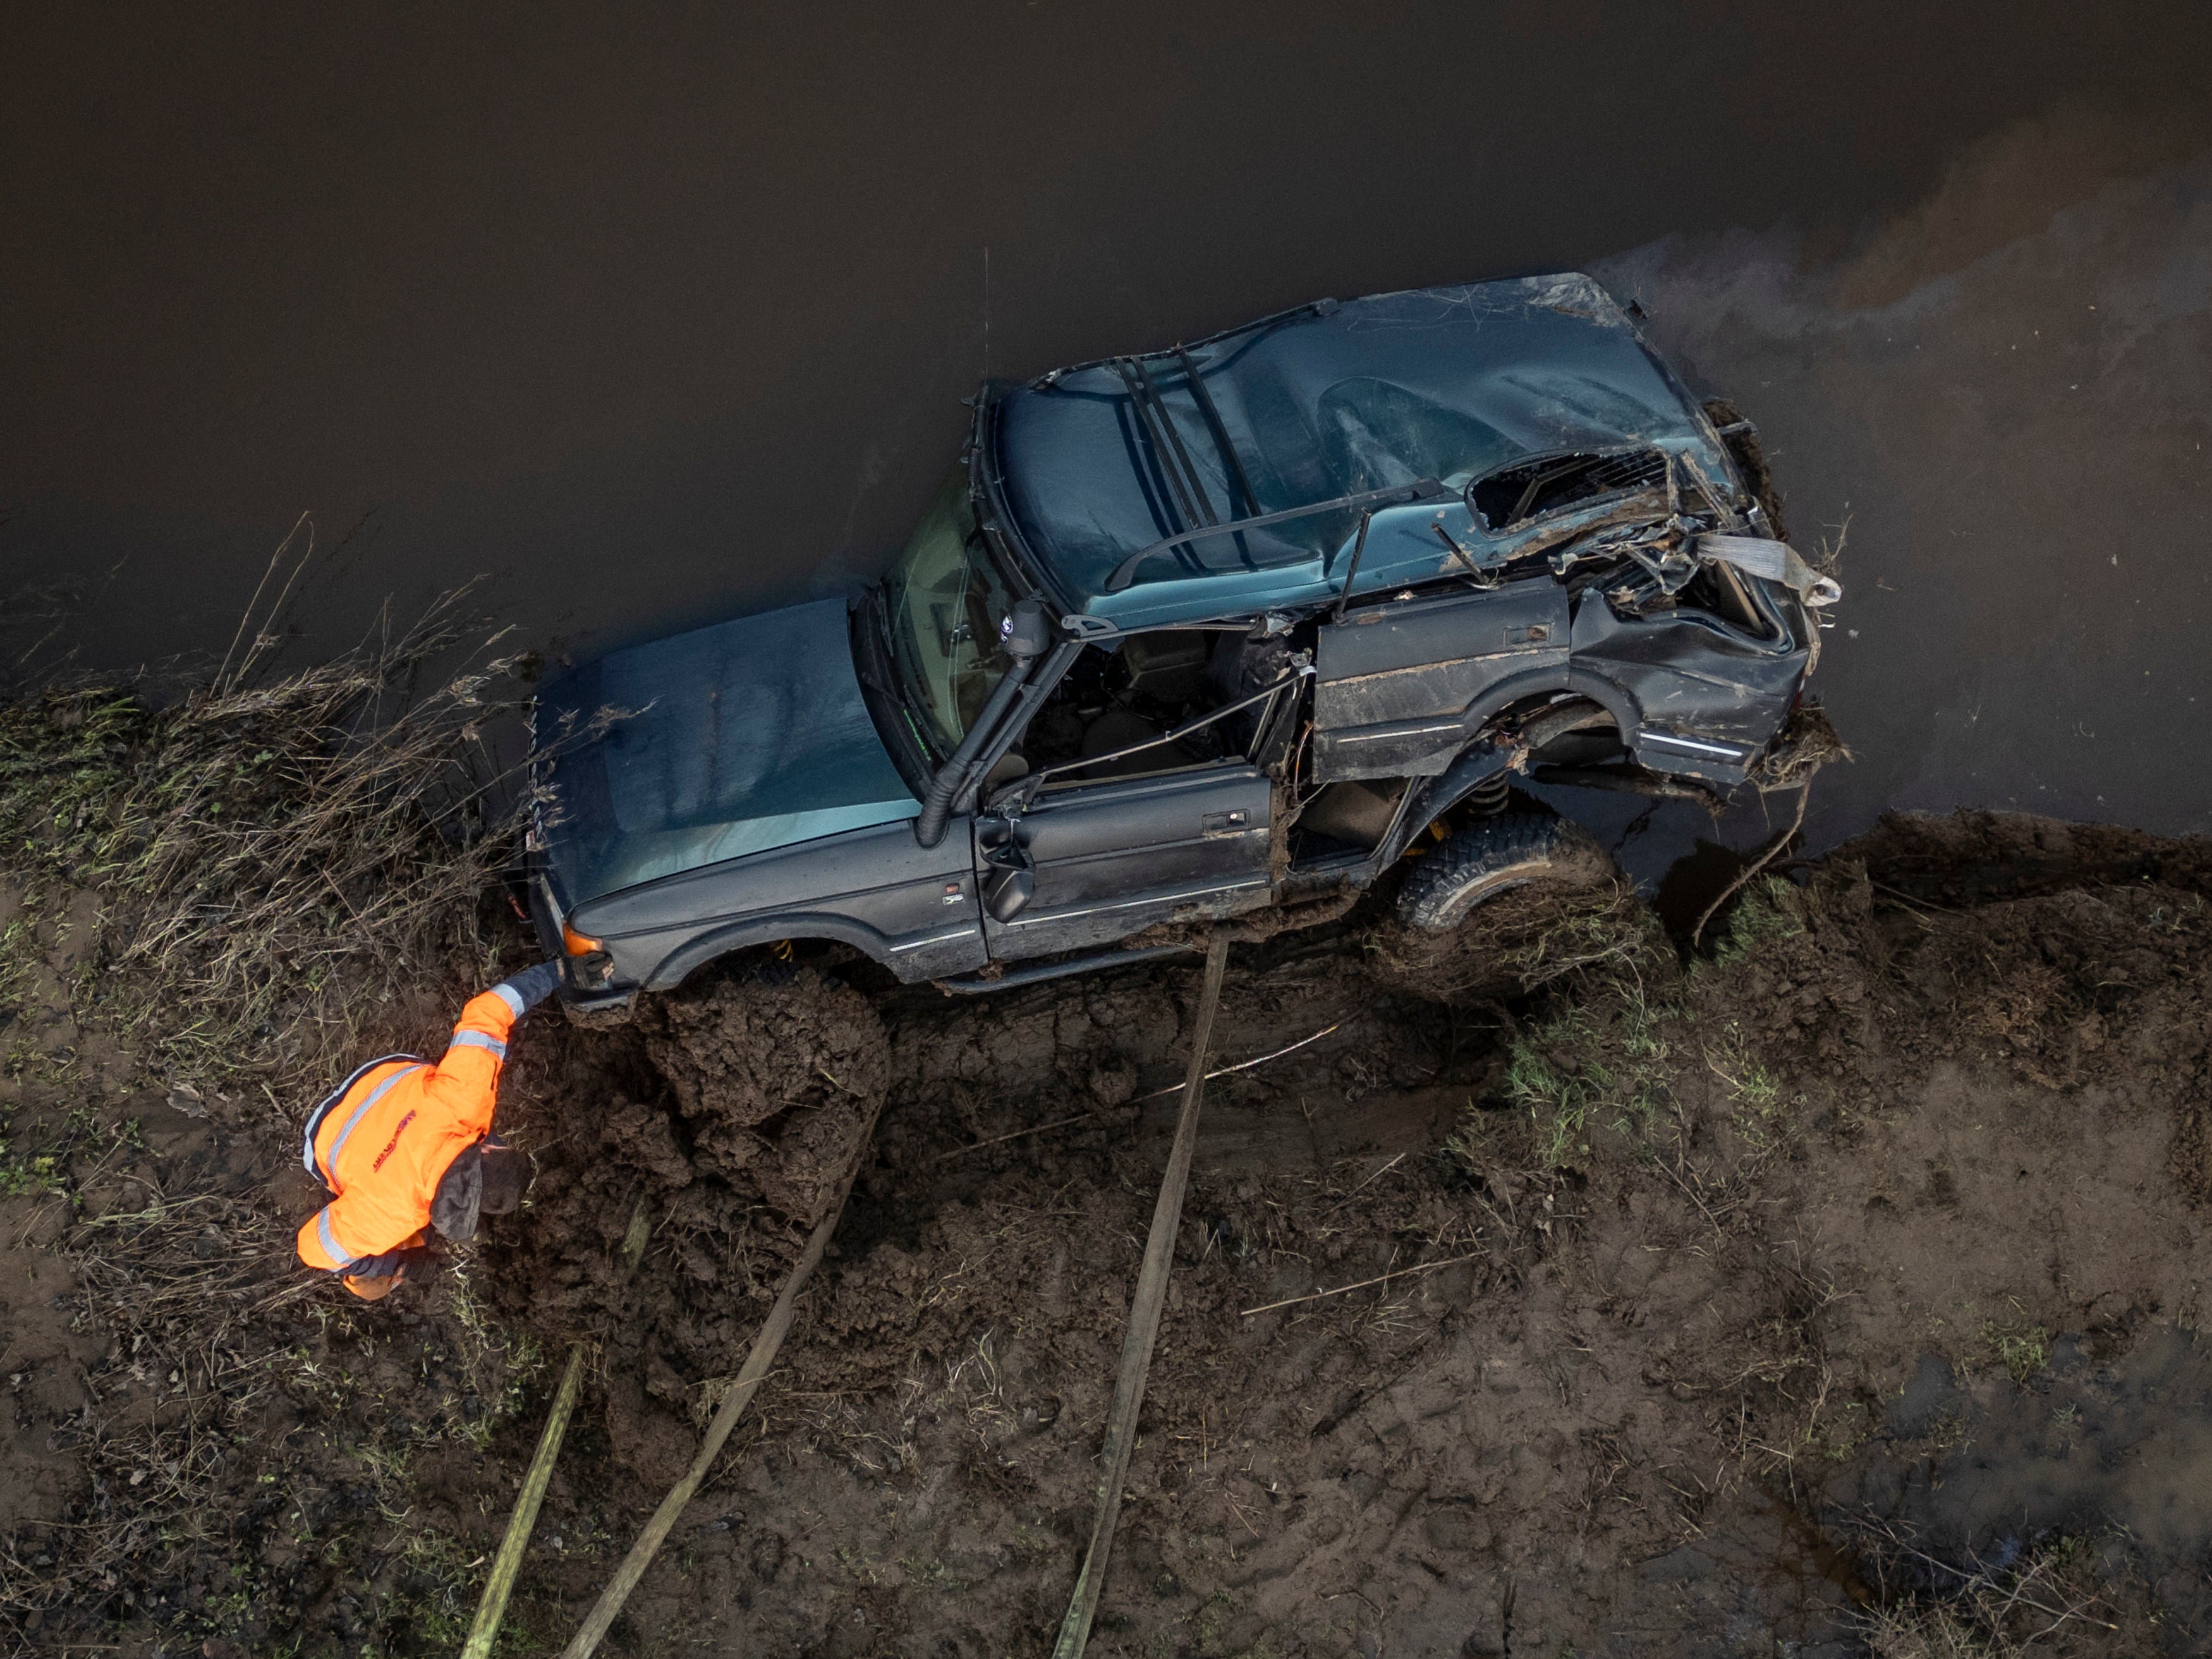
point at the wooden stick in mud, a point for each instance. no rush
(773, 1329)
(1144, 1322)
(508, 1563)
(1380, 1278)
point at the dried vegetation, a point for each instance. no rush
(275, 858)
(214, 897)
(1550, 1155)
(2067, 1594)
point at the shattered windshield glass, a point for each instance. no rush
(1375, 434)
(1534, 488)
(947, 600)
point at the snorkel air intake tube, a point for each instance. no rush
(1027, 634)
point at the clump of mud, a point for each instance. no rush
(730, 1112)
(1972, 857)
(773, 1082)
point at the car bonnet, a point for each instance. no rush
(736, 738)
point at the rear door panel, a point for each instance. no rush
(1392, 680)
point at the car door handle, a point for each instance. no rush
(1226, 823)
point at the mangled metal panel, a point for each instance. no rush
(1096, 462)
(1708, 696)
(1395, 681)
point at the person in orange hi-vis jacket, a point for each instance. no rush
(406, 1147)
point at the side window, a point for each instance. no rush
(1113, 713)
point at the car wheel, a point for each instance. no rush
(1473, 865)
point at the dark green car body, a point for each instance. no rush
(1308, 586)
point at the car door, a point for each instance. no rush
(1114, 857)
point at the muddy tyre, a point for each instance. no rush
(1492, 856)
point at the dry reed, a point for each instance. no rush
(275, 861)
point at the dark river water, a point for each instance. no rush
(649, 320)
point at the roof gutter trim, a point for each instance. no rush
(1421, 494)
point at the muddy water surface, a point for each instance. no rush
(653, 325)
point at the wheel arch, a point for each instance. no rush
(696, 952)
(1483, 757)
(1576, 679)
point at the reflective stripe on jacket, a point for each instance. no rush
(385, 1136)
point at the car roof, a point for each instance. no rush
(1095, 463)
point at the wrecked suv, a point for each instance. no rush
(1230, 626)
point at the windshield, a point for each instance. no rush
(947, 601)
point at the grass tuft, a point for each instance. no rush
(1770, 911)
(2023, 1350)
(1583, 1069)
(2040, 1595)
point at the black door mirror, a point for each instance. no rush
(1010, 873)
(1006, 891)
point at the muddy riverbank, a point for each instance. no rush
(1841, 1285)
